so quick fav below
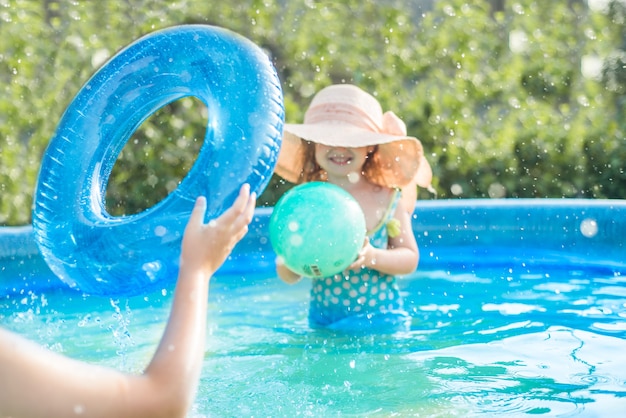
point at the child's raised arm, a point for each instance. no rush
(35, 382)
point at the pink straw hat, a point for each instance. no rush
(343, 115)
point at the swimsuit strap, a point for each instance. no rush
(378, 235)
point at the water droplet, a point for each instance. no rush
(589, 228)
(354, 177)
(296, 240)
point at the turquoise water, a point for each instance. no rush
(484, 341)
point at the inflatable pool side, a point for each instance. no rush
(451, 234)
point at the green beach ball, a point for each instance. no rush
(317, 229)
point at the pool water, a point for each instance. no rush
(484, 341)
(518, 309)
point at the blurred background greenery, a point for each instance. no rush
(510, 98)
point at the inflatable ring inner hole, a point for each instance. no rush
(157, 156)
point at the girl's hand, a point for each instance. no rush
(285, 273)
(366, 256)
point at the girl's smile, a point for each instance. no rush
(340, 157)
(341, 161)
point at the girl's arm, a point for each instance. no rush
(402, 255)
(35, 382)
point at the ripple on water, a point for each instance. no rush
(558, 371)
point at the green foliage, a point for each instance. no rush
(496, 94)
(157, 157)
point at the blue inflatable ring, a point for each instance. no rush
(105, 255)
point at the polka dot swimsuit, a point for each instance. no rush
(362, 292)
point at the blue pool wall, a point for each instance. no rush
(451, 234)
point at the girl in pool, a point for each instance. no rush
(35, 382)
(348, 141)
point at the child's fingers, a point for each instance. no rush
(241, 201)
(240, 206)
(197, 214)
(240, 224)
(248, 212)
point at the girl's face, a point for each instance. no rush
(341, 161)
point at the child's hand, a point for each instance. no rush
(206, 246)
(366, 256)
(285, 273)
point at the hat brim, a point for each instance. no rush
(401, 157)
(338, 134)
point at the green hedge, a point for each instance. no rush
(495, 90)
